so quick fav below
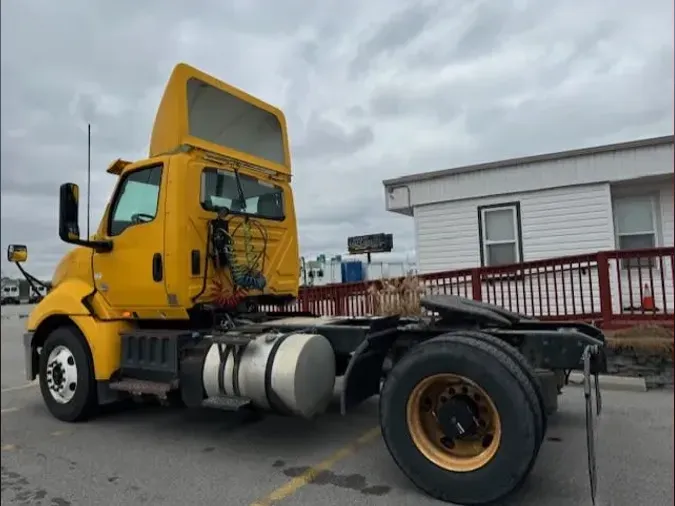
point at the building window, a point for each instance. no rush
(635, 226)
(500, 234)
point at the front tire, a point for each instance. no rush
(67, 379)
(426, 396)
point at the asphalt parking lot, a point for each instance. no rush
(160, 456)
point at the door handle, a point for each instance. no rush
(157, 270)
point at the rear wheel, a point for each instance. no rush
(458, 422)
(531, 386)
(67, 376)
(442, 408)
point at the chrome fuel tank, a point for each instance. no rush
(286, 373)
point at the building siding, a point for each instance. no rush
(555, 222)
(667, 214)
(585, 170)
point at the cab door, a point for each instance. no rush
(131, 275)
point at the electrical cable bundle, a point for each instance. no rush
(220, 246)
(248, 276)
(224, 297)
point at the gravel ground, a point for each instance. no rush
(159, 456)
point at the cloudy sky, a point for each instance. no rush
(372, 90)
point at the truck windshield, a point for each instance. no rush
(220, 191)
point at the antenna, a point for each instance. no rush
(88, 176)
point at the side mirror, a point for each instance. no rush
(17, 253)
(69, 200)
(69, 222)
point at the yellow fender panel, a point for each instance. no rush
(64, 299)
(104, 342)
(103, 337)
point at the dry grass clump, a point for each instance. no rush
(642, 331)
(648, 338)
(399, 296)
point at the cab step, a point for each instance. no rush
(226, 402)
(139, 387)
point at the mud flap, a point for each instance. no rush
(364, 373)
(591, 417)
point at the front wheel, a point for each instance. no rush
(458, 422)
(67, 376)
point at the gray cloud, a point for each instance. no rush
(326, 138)
(371, 91)
(394, 33)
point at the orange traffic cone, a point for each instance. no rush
(647, 299)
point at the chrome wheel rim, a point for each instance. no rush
(61, 374)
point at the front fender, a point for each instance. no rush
(102, 337)
(65, 299)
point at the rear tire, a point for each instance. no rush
(494, 472)
(67, 380)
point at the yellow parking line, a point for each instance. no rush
(20, 387)
(292, 486)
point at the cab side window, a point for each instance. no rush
(137, 199)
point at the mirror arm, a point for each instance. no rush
(98, 246)
(101, 246)
(32, 280)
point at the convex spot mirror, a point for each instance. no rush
(17, 253)
(69, 200)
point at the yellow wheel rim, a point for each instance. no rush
(465, 453)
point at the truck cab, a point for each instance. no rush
(202, 229)
(217, 155)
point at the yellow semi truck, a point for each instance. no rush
(164, 301)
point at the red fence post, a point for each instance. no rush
(303, 293)
(339, 303)
(605, 289)
(476, 288)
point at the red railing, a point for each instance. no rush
(609, 288)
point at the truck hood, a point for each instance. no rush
(76, 264)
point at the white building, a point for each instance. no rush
(618, 196)
(329, 272)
